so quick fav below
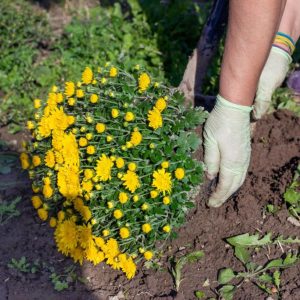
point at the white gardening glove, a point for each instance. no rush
(272, 76)
(227, 148)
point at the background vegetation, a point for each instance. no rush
(158, 35)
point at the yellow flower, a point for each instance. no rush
(47, 180)
(110, 204)
(103, 169)
(105, 232)
(36, 202)
(120, 162)
(94, 255)
(129, 116)
(135, 198)
(61, 215)
(100, 127)
(124, 233)
(123, 198)
(109, 138)
(179, 173)
(113, 72)
(118, 214)
(136, 138)
(165, 164)
(90, 150)
(99, 241)
(37, 103)
(89, 136)
(127, 266)
(145, 206)
(52, 222)
(160, 104)
(71, 120)
(88, 173)
(131, 181)
(71, 101)
(94, 98)
(146, 228)
(59, 97)
(144, 82)
(82, 142)
(54, 88)
(87, 186)
(166, 200)
(47, 191)
(152, 146)
(153, 194)
(30, 125)
(35, 189)
(85, 213)
(85, 237)
(43, 214)
(77, 254)
(114, 113)
(155, 118)
(24, 158)
(50, 159)
(132, 166)
(162, 181)
(79, 93)
(36, 160)
(69, 88)
(166, 228)
(103, 80)
(129, 145)
(87, 76)
(89, 119)
(148, 255)
(66, 236)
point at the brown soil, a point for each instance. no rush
(275, 155)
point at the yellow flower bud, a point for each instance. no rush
(132, 166)
(94, 98)
(148, 255)
(114, 113)
(109, 138)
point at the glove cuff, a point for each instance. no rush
(222, 102)
(281, 52)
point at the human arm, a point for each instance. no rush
(278, 62)
(251, 28)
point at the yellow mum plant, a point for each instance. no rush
(111, 165)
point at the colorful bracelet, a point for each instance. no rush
(282, 39)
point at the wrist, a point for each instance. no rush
(222, 102)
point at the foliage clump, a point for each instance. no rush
(111, 164)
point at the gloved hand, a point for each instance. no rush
(272, 76)
(227, 148)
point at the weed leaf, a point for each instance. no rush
(225, 275)
(247, 240)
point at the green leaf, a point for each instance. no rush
(276, 278)
(242, 254)
(265, 278)
(225, 275)
(200, 294)
(292, 196)
(227, 291)
(275, 263)
(247, 240)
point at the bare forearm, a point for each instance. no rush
(290, 22)
(251, 29)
